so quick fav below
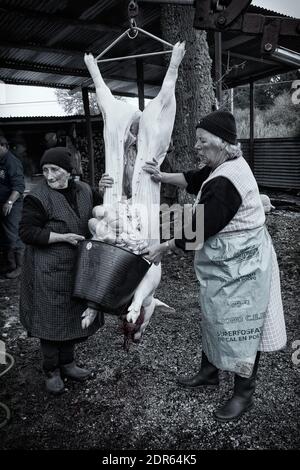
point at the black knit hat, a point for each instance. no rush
(59, 156)
(221, 124)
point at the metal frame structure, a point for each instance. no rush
(231, 15)
(135, 30)
(43, 43)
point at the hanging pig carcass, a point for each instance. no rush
(129, 217)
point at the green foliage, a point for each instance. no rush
(265, 91)
(281, 119)
(72, 102)
(283, 112)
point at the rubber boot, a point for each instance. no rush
(72, 371)
(242, 399)
(208, 375)
(18, 256)
(54, 383)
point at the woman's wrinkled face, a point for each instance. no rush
(56, 177)
(208, 147)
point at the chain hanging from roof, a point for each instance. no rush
(133, 11)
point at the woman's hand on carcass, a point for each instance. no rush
(153, 170)
(155, 253)
(106, 181)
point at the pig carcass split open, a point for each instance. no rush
(155, 130)
(116, 221)
(147, 136)
(118, 117)
(154, 136)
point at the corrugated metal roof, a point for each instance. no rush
(265, 11)
(43, 42)
(46, 6)
(76, 117)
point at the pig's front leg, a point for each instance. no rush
(144, 290)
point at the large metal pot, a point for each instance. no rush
(107, 275)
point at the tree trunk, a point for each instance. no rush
(194, 88)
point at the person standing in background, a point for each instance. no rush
(12, 187)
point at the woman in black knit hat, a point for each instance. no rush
(55, 218)
(235, 263)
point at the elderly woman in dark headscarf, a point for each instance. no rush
(236, 266)
(55, 218)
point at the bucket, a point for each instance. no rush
(107, 274)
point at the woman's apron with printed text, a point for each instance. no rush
(239, 282)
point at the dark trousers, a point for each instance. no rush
(10, 238)
(56, 353)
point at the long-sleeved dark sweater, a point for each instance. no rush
(220, 198)
(34, 218)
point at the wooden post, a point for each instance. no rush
(218, 67)
(140, 83)
(89, 132)
(231, 97)
(251, 136)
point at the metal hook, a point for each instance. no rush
(133, 32)
(133, 9)
(133, 23)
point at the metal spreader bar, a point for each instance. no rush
(136, 30)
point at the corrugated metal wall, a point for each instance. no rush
(276, 161)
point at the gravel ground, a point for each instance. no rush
(132, 400)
